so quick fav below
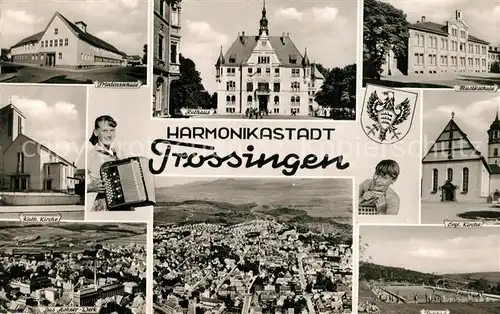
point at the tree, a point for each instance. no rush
(188, 91)
(339, 88)
(145, 55)
(384, 28)
(495, 67)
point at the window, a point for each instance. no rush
(259, 71)
(433, 42)
(263, 60)
(160, 51)
(231, 86)
(249, 99)
(295, 100)
(295, 86)
(462, 47)
(228, 99)
(20, 162)
(263, 86)
(60, 55)
(42, 43)
(175, 15)
(295, 72)
(173, 52)
(276, 71)
(10, 124)
(233, 99)
(276, 100)
(419, 58)
(230, 110)
(51, 42)
(450, 174)
(55, 42)
(19, 126)
(48, 170)
(495, 152)
(465, 180)
(231, 72)
(462, 34)
(162, 8)
(268, 71)
(65, 41)
(435, 180)
(61, 42)
(249, 87)
(250, 71)
(276, 110)
(471, 48)
(454, 31)
(276, 87)
(56, 31)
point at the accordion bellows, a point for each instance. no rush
(128, 183)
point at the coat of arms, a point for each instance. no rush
(387, 119)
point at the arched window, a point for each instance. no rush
(276, 100)
(249, 98)
(228, 98)
(495, 152)
(435, 180)
(233, 99)
(297, 99)
(465, 180)
(450, 174)
(292, 99)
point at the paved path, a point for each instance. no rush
(439, 80)
(67, 212)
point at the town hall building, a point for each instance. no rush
(268, 73)
(66, 44)
(455, 171)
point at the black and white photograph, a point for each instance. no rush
(253, 245)
(48, 267)
(419, 269)
(460, 165)
(74, 42)
(42, 131)
(431, 44)
(255, 59)
(120, 185)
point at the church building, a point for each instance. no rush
(267, 72)
(455, 171)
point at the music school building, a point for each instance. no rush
(66, 44)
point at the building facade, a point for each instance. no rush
(454, 170)
(27, 165)
(166, 63)
(268, 73)
(66, 44)
(493, 55)
(436, 48)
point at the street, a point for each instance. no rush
(67, 212)
(269, 117)
(437, 212)
(303, 283)
(12, 73)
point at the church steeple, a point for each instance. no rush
(263, 21)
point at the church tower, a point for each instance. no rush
(494, 142)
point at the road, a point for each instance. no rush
(303, 283)
(29, 74)
(67, 212)
(246, 304)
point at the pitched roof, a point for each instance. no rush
(86, 37)
(441, 30)
(457, 146)
(243, 46)
(30, 39)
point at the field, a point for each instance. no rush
(319, 197)
(492, 277)
(66, 233)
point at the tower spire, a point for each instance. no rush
(263, 20)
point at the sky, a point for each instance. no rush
(433, 249)
(55, 116)
(474, 113)
(482, 17)
(327, 28)
(122, 23)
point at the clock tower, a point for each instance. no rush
(494, 142)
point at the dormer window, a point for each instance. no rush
(293, 59)
(232, 58)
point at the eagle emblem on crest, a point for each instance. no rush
(387, 116)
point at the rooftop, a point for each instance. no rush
(441, 30)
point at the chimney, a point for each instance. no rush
(423, 18)
(287, 34)
(242, 37)
(82, 26)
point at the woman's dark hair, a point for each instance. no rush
(94, 139)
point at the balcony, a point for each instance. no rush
(262, 91)
(174, 69)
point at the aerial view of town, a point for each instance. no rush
(92, 265)
(429, 267)
(253, 246)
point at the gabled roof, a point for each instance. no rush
(243, 46)
(440, 29)
(316, 73)
(42, 147)
(11, 107)
(31, 39)
(86, 37)
(457, 147)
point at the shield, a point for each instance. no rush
(387, 124)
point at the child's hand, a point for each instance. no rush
(380, 204)
(368, 196)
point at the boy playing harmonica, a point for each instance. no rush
(377, 192)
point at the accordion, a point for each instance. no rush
(128, 183)
(367, 210)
